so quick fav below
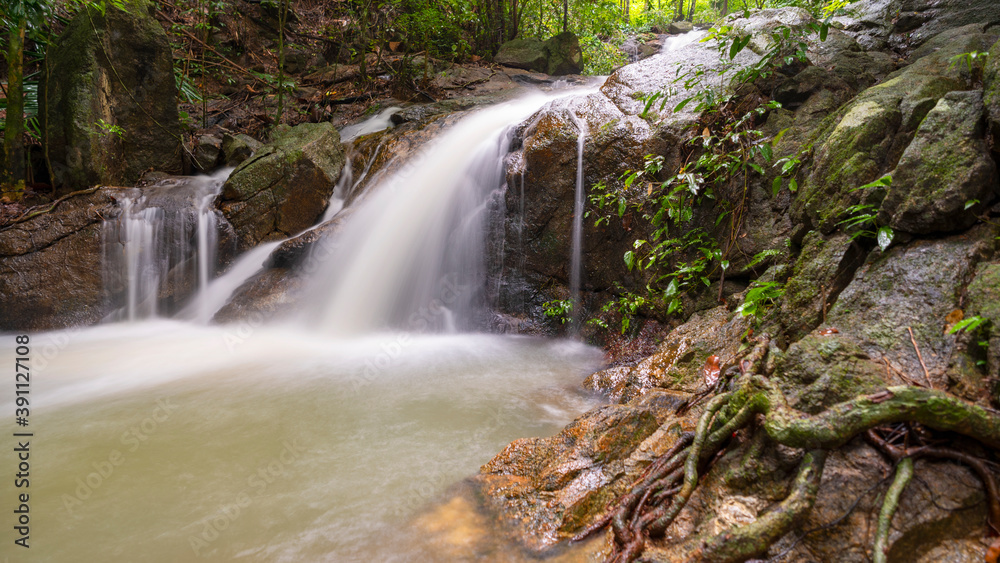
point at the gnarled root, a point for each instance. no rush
(644, 512)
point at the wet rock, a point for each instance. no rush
(946, 166)
(822, 370)
(207, 152)
(286, 186)
(50, 266)
(677, 364)
(866, 138)
(111, 108)
(543, 490)
(270, 294)
(237, 148)
(914, 286)
(526, 53)
(822, 270)
(922, 20)
(991, 94)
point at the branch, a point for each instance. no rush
(904, 472)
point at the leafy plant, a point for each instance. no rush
(560, 309)
(761, 298)
(861, 218)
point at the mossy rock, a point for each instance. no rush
(945, 168)
(866, 138)
(984, 301)
(819, 371)
(527, 54)
(991, 90)
(915, 287)
(822, 270)
(111, 104)
(285, 187)
(563, 54)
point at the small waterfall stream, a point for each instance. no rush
(576, 260)
(176, 440)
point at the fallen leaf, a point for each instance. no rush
(829, 331)
(706, 134)
(993, 552)
(711, 371)
(952, 318)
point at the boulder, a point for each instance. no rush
(679, 27)
(866, 138)
(943, 171)
(557, 56)
(51, 266)
(912, 287)
(111, 108)
(207, 152)
(527, 54)
(563, 54)
(237, 148)
(285, 187)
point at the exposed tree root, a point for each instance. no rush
(904, 472)
(644, 511)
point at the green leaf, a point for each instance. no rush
(884, 237)
(970, 324)
(824, 29)
(971, 203)
(683, 103)
(776, 186)
(793, 186)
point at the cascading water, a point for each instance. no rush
(155, 241)
(678, 42)
(412, 252)
(576, 260)
(170, 441)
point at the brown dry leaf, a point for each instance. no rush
(711, 371)
(952, 318)
(993, 552)
(828, 331)
(706, 134)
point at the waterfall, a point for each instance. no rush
(155, 245)
(576, 259)
(411, 255)
(683, 40)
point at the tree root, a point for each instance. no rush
(904, 472)
(644, 512)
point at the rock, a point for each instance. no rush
(866, 138)
(286, 186)
(914, 286)
(677, 364)
(563, 54)
(923, 19)
(991, 91)
(239, 147)
(556, 56)
(207, 152)
(819, 371)
(111, 107)
(679, 27)
(51, 266)
(528, 54)
(946, 166)
(547, 489)
(984, 301)
(822, 270)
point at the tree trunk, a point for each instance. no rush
(565, 15)
(679, 15)
(690, 17)
(13, 140)
(725, 7)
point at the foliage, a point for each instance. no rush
(560, 309)
(760, 298)
(861, 218)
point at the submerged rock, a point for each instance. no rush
(111, 103)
